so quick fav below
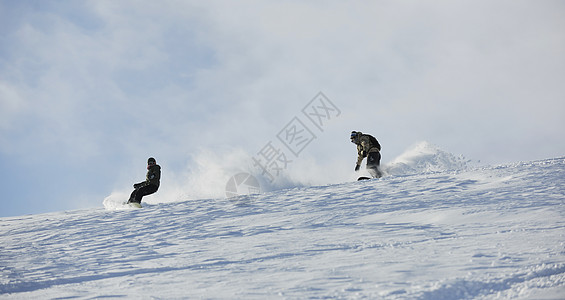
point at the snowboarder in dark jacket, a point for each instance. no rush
(151, 183)
(369, 147)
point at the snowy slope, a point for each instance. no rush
(428, 232)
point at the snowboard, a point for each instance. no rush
(363, 178)
(135, 204)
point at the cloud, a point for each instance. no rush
(196, 82)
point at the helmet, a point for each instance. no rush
(355, 136)
(151, 160)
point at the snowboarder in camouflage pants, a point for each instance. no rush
(367, 146)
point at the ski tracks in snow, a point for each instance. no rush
(482, 233)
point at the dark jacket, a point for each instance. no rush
(153, 176)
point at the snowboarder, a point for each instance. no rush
(367, 146)
(150, 185)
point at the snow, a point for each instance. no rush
(433, 228)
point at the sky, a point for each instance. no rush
(90, 89)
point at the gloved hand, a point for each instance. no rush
(357, 168)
